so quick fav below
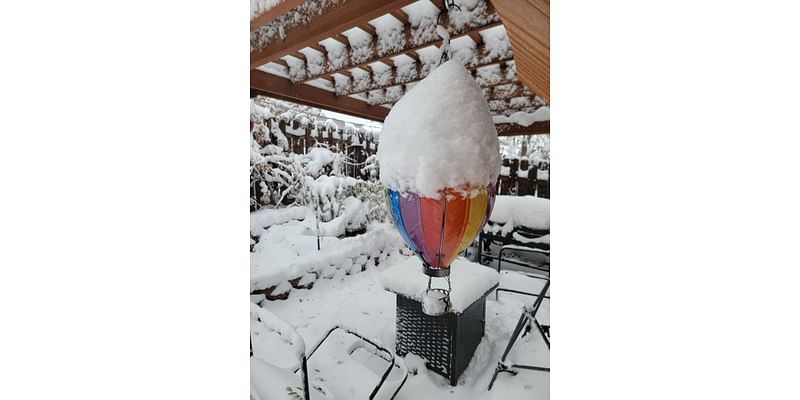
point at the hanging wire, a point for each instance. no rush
(449, 6)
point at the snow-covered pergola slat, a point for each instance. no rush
(376, 56)
(506, 98)
(514, 103)
(510, 112)
(501, 92)
(339, 19)
(262, 83)
(504, 89)
(369, 59)
(395, 81)
(268, 16)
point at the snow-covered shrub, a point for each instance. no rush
(344, 203)
(282, 177)
(371, 167)
(317, 178)
(372, 195)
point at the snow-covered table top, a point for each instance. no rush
(469, 281)
(528, 211)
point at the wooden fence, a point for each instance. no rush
(519, 177)
(356, 145)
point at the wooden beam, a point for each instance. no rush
(536, 128)
(516, 94)
(476, 37)
(508, 106)
(528, 26)
(281, 8)
(368, 28)
(518, 91)
(262, 83)
(337, 20)
(438, 3)
(342, 39)
(318, 47)
(400, 15)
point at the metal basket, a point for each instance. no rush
(447, 342)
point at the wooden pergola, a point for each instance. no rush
(333, 54)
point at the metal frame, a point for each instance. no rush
(528, 316)
(304, 364)
(487, 239)
(519, 291)
(499, 267)
(385, 350)
(531, 250)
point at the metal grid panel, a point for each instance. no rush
(447, 342)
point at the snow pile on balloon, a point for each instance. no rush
(439, 159)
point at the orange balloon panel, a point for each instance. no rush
(455, 222)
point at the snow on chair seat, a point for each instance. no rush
(355, 367)
(268, 382)
(517, 223)
(532, 213)
(378, 373)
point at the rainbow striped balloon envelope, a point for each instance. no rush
(439, 229)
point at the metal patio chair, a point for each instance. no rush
(537, 271)
(386, 389)
(526, 320)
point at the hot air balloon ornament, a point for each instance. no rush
(439, 160)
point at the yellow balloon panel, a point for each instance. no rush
(477, 212)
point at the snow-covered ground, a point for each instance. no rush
(357, 300)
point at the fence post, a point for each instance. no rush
(307, 139)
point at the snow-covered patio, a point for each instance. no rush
(356, 299)
(379, 225)
(343, 284)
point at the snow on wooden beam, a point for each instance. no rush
(536, 128)
(507, 90)
(339, 19)
(514, 103)
(400, 15)
(499, 90)
(438, 3)
(281, 8)
(262, 83)
(418, 74)
(409, 47)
